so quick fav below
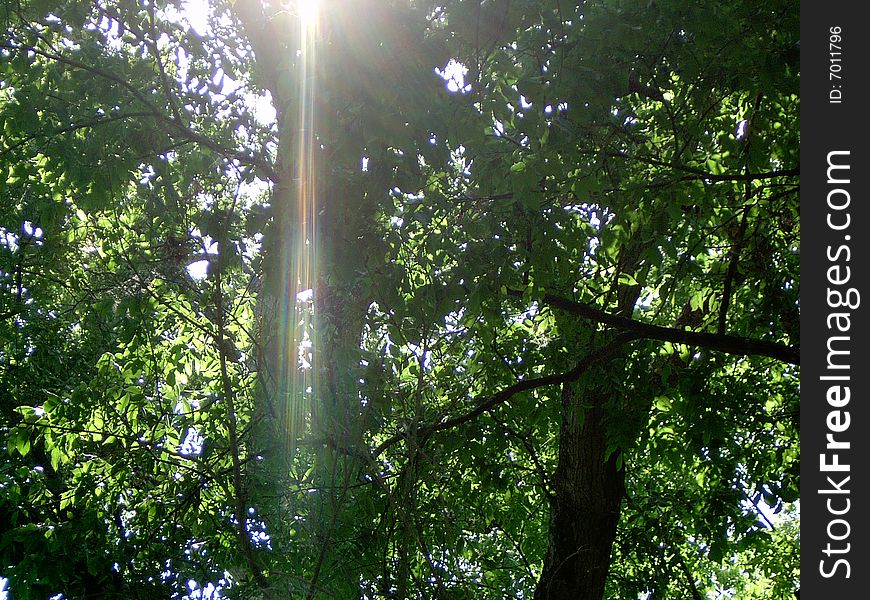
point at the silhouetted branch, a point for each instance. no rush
(729, 344)
(489, 403)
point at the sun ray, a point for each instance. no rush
(297, 375)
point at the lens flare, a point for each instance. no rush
(297, 371)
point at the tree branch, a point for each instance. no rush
(546, 484)
(10, 313)
(733, 261)
(235, 447)
(690, 579)
(155, 111)
(74, 127)
(489, 403)
(729, 344)
(701, 174)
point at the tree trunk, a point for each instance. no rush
(588, 485)
(584, 510)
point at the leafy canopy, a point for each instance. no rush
(591, 217)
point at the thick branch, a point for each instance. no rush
(729, 344)
(488, 403)
(632, 330)
(701, 174)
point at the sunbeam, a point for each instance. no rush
(297, 375)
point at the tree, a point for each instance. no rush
(529, 328)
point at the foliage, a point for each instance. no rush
(595, 226)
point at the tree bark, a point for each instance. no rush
(584, 509)
(588, 484)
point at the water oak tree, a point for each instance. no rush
(460, 299)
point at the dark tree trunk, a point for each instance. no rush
(588, 487)
(584, 510)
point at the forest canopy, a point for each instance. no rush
(393, 299)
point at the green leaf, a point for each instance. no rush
(18, 440)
